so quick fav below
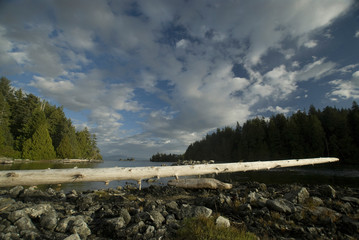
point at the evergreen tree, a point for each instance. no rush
(39, 146)
(64, 150)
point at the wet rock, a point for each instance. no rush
(280, 205)
(80, 227)
(172, 206)
(298, 196)
(24, 223)
(150, 231)
(6, 203)
(65, 223)
(351, 199)
(256, 199)
(15, 191)
(245, 207)
(38, 210)
(125, 215)
(14, 216)
(328, 191)
(157, 218)
(49, 221)
(74, 236)
(223, 222)
(114, 224)
(202, 211)
(323, 215)
(30, 235)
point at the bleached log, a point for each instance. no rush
(199, 183)
(54, 176)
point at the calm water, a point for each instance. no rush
(331, 173)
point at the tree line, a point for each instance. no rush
(330, 132)
(31, 128)
(163, 157)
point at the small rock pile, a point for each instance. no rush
(269, 211)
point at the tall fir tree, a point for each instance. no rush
(39, 146)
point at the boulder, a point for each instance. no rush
(298, 196)
(157, 218)
(223, 222)
(280, 205)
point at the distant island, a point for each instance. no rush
(127, 159)
(31, 128)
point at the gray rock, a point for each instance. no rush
(246, 207)
(173, 206)
(224, 200)
(298, 196)
(149, 232)
(256, 199)
(125, 215)
(25, 223)
(351, 199)
(38, 210)
(202, 211)
(74, 236)
(49, 221)
(157, 218)
(80, 227)
(328, 191)
(15, 191)
(280, 205)
(114, 224)
(324, 215)
(7, 204)
(63, 225)
(135, 228)
(30, 235)
(223, 222)
(15, 215)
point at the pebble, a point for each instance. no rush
(279, 211)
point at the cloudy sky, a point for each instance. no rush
(153, 76)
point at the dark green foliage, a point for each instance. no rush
(331, 132)
(163, 157)
(31, 128)
(39, 146)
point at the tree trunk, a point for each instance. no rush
(54, 176)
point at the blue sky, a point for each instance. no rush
(154, 76)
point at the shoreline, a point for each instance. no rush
(6, 160)
(274, 210)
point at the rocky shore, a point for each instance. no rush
(268, 211)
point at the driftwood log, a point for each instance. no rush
(55, 176)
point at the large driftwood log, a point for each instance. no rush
(54, 176)
(199, 183)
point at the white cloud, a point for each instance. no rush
(343, 89)
(276, 110)
(182, 43)
(356, 34)
(311, 44)
(316, 70)
(97, 57)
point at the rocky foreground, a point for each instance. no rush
(269, 211)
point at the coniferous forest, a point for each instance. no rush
(34, 129)
(330, 132)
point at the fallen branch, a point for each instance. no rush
(54, 176)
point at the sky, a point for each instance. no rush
(156, 75)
